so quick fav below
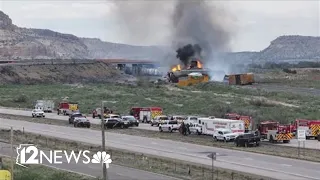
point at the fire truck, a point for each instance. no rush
(67, 108)
(145, 114)
(246, 119)
(312, 127)
(275, 132)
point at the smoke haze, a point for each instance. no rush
(186, 21)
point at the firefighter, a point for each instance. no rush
(145, 119)
(183, 129)
(187, 128)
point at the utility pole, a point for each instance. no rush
(104, 168)
(11, 142)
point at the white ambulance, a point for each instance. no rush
(208, 126)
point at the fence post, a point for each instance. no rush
(0, 163)
(202, 173)
(217, 173)
(175, 167)
(232, 174)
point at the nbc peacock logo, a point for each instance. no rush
(101, 157)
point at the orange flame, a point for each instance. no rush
(176, 68)
(199, 64)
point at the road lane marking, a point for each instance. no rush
(288, 165)
(246, 165)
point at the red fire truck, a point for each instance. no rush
(312, 127)
(146, 114)
(274, 131)
(67, 108)
(247, 119)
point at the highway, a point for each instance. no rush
(54, 115)
(115, 172)
(312, 144)
(271, 166)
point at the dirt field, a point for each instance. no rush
(303, 79)
(61, 73)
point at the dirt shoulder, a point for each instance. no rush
(63, 73)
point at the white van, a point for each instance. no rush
(209, 126)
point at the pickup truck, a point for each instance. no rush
(225, 135)
(247, 139)
(169, 126)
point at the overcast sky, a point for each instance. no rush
(256, 22)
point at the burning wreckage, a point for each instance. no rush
(191, 70)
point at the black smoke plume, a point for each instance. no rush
(202, 23)
(187, 52)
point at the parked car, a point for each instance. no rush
(81, 122)
(112, 116)
(159, 120)
(72, 116)
(132, 120)
(247, 139)
(169, 126)
(37, 113)
(225, 135)
(116, 123)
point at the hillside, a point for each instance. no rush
(26, 43)
(62, 73)
(292, 48)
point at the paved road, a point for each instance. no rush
(282, 88)
(312, 144)
(115, 172)
(275, 167)
(53, 115)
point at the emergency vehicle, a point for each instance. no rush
(67, 108)
(312, 127)
(208, 126)
(246, 119)
(145, 114)
(275, 132)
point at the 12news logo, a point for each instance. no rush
(36, 156)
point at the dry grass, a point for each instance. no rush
(208, 99)
(265, 148)
(38, 172)
(171, 167)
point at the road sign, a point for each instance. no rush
(214, 156)
(301, 135)
(5, 175)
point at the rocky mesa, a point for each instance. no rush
(26, 43)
